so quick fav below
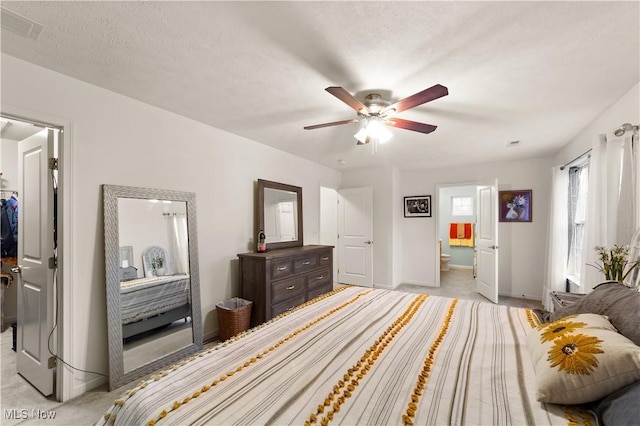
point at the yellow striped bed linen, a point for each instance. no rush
(358, 356)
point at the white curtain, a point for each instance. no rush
(611, 202)
(178, 243)
(557, 244)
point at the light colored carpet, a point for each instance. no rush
(460, 283)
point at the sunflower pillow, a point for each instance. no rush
(581, 358)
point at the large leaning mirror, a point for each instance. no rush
(153, 292)
(280, 214)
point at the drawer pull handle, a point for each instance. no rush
(319, 277)
(291, 287)
(325, 258)
(282, 268)
(308, 262)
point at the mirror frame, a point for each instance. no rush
(262, 185)
(111, 193)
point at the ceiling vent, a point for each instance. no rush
(20, 25)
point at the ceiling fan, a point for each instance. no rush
(377, 112)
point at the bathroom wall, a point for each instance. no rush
(460, 256)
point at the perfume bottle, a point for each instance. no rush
(262, 245)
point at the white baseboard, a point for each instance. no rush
(460, 266)
(520, 296)
(382, 286)
(421, 283)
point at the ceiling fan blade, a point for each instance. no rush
(333, 123)
(348, 99)
(410, 125)
(419, 98)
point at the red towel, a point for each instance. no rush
(461, 231)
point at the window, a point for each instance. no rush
(462, 206)
(578, 190)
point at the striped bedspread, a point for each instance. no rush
(357, 356)
(146, 297)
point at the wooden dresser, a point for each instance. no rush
(281, 279)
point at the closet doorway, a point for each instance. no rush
(30, 283)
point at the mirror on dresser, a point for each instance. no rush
(280, 214)
(153, 292)
(289, 273)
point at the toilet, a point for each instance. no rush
(444, 259)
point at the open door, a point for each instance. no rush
(355, 236)
(35, 249)
(487, 242)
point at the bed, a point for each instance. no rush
(148, 303)
(364, 356)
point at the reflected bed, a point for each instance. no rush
(358, 356)
(148, 303)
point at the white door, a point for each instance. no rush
(487, 242)
(35, 247)
(355, 236)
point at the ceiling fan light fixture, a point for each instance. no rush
(378, 130)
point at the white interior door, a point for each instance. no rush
(35, 247)
(355, 236)
(487, 242)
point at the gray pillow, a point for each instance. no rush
(617, 301)
(621, 407)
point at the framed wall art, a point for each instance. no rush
(515, 206)
(417, 206)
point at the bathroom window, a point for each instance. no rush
(462, 206)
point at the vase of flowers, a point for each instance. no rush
(157, 263)
(614, 262)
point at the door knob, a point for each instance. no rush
(16, 270)
(368, 242)
(493, 247)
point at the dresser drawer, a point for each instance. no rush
(281, 268)
(319, 290)
(287, 305)
(305, 263)
(319, 278)
(325, 258)
(286, 289)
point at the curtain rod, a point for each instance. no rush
(575, 159)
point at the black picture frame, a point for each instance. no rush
(417, 206)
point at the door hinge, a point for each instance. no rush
(53, 262)
(53, 164)
(52, 362)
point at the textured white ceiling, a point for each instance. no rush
(537, 72)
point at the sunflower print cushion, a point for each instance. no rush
(581, 358)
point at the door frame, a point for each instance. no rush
(437, 216)
(63, 338)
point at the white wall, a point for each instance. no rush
(625, 110)
(522, 245)
(117, 140)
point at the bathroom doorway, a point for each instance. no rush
(456, 219)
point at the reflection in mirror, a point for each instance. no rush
(152, 286)
(280, 214)
(280, 219)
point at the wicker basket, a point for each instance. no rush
(234, 316)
